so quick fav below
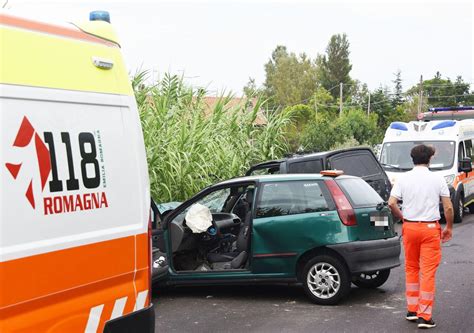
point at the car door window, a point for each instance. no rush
(290, 198)
(360, 165)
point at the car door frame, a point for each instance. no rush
(382, 176)
(194, 277)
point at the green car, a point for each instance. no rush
(323, 231)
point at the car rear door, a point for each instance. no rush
(374, 220)
(363, 164)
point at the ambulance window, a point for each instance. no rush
(460, 151)
(468, 147)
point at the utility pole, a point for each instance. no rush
(340, 99)
(420, 94)
(368, 106)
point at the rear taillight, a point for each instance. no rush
(344, 208)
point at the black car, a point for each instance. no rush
(360, 162)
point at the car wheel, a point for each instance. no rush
(325, 280)
(471, 208)
(371, 279)
(458, 209)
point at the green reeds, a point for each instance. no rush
(190, 146)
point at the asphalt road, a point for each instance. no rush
(282, 308)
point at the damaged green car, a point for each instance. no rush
(323, 231)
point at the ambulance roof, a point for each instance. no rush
(437, 130)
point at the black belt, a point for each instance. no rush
(404, 220)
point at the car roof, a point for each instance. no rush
(328, 153)
(280, 177)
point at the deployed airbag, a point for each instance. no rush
(198, 218)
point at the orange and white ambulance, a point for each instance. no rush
(451, 132)
(74, 196)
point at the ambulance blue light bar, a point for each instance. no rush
(444, 124)
(452, 108)
(399, 126)
(99, 15)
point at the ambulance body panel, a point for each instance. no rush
(74, 198)
(452, 140)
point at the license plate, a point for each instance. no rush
(378, 219)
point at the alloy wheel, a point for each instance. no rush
(323, 280)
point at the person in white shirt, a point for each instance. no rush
(421, 190)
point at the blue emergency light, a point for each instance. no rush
(452, 108)
(99, 15)
(444, 124)
(399, 126)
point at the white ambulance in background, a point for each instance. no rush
(75, 250)
(453, 141)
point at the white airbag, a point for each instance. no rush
(198, 218)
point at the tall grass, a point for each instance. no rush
(189, 148)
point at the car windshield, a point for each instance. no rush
(395, 156)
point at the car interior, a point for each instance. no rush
(225, 244)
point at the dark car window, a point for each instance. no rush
(289, 198)
(360, 165)
(309, 166)
(359, 193)
(468, 147)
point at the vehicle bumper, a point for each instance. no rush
(138, 321)
(372, 255)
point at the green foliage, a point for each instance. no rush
(290, 79)
(356, 124)
(444, 92)
(321, 134)
(323, 102)
(250, 89)
(301, 115)
(334, 66)
(327, 132)
(189, 147)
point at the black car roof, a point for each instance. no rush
(327, 153)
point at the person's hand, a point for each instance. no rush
(446, 235)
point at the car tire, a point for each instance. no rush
(326, 279)
(371, 279)
(471, 208)
(458, 208)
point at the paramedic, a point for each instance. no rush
(421, 190)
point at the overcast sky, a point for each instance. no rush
(220, 44)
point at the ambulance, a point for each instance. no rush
(453, 141)
(74, 196)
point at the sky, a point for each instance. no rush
(220, 44)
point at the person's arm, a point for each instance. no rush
(447, 233)
(393, 205)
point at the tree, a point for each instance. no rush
(334, 66)
(444, 92)
(322, 134)
(398, 91)
(381, 105)
(358, 125)
(290, 79)
(250, 89)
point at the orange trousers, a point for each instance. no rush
(422, 244)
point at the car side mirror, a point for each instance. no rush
(465, 165)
